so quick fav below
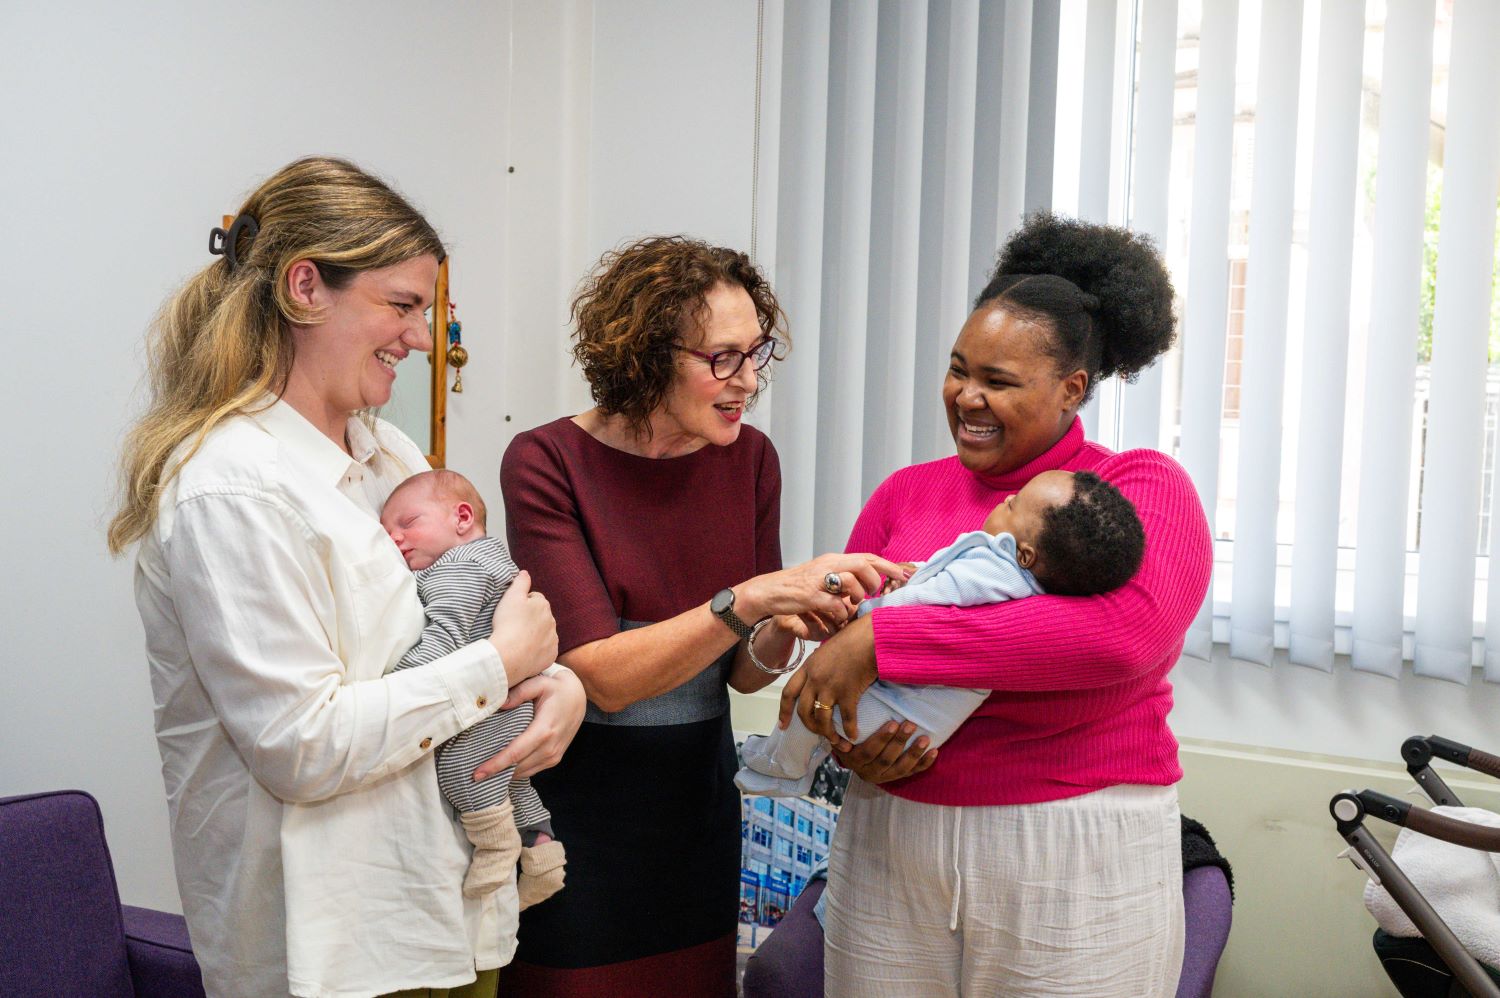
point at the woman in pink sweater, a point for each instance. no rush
(1041, 855)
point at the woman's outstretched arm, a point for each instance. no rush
(622, 667)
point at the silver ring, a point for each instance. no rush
(833, 584)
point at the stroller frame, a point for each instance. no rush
(1350, 808)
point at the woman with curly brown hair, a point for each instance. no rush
(652, 523)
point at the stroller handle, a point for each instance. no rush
(1438, 826)
(1349, 810)
(1419, 751)
(1487, 764)
(1462, 833)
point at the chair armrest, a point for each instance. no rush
(162, 964)
(789, 964)
(1206, 904)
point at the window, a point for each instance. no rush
(1284, 290)
(1293, 311)
(1234, 336)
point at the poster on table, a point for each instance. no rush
(784, 844)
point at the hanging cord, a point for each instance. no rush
(1129, 178)
(958, 877)
(760, 46)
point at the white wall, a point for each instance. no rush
(630, 119)
(126, 131)
(124, 136)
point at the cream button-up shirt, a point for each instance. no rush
(314, 852)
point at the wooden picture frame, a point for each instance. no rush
(437, 451)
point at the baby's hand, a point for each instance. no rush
(892, 583)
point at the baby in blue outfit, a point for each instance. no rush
(1065, 533)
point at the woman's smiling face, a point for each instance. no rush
(367, 328)
(1005, 399)
(699, 408)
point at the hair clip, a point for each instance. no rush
(221, 243)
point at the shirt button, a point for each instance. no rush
(426, 743)
(482, 702)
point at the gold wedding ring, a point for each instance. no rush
(833, 584)
(820, 705)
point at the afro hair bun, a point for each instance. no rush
(1121, 269)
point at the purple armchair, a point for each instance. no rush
(789, 964)
(63, 930)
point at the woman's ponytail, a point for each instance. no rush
(222, 344)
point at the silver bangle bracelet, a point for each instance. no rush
(791, 666)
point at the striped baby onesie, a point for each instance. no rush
(459, 593)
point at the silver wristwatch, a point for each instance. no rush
(722, 606)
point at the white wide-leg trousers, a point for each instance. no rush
(1078, 897)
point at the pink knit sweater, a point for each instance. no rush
(1081, 692)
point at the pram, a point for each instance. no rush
(1437, 964)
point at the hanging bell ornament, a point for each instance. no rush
(457, 355)
(457, 358)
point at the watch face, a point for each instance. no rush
(722, 602)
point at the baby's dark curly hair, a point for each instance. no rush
(1091, 544)
(1104, 292)
(638, 305)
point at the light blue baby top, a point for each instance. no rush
(976, 568)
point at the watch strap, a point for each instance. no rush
(733, 622)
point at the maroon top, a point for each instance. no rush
(644, 798)
(608, 535)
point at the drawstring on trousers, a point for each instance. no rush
(958, 877)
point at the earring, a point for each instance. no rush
(457, 355)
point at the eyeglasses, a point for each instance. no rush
(727, 363)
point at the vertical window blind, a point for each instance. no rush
(1322, 178)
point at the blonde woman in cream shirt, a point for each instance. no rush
(314, 853)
